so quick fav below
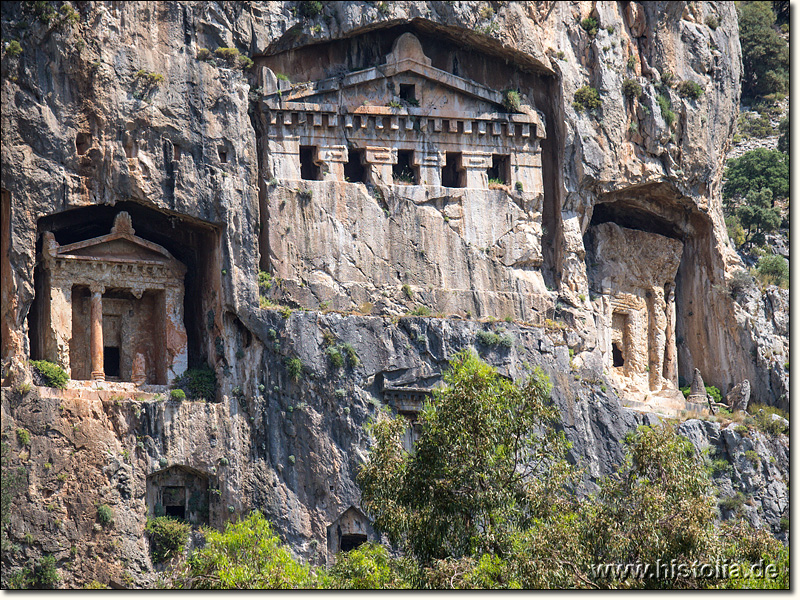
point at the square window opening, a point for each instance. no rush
(354, 169)
(404, 172)
(351, 541)
(408, 92)
(500, 171)
(452, 177)
(309, 169)
(223, 155)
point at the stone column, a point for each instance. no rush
(96, 322)
(656, 308)
(283, 157)
(332, 159)
(671, 351)
(379, 161)
(475, 164)
(430, 167)
(175, 341)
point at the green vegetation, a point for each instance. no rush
(335, 357)
(714, 392)
(233, 58)
(713, 22)
(23, 436)
(765, 55)
(487, 338)
(407, 291)
(783, 140)
(203, 54)
(756, 170)
(369, 567)
(733, 503)
(247, 555)
(765, 421)
(420, 311)
(43, 576)
(11, 484)
(750, 127)
(198, 384)
(690, 89)
(631, 63)
(758, 217)
(310, 9)
(13, 48)
(177, 395)
(586, 98)
(168, 537)
(105, 515)
(773, 269)
(667, 79)
(590, 26)
(53, 375)
(753, 457)
(666, 109)
(512, 101)
(150, 77)
(631, 88)
(295, 368)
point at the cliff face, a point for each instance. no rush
(115, 112)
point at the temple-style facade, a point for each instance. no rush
(403, 122)
(113, 308)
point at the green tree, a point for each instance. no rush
(773, 269)
(488, 464)
(247, 555)
(369, 567)
(783, 140)
(765, 55)
(755, 170)
(758, 216)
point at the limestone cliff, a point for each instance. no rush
(130, 107)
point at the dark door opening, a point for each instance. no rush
(111, 362)
(354, 170)
(308, 168)
(616, 353)
(174, 500)
(451, 177)
(351, 541)
(403, 171)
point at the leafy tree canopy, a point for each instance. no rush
(765, 55)
(758, 216)
(755, 170)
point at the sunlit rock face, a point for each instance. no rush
(373, 163)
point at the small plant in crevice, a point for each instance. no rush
(177, 395)
(168, 537)
(294, 366)
(666, 109)
(586, 98)
(105, 515)
(23, 436)
(52, 374)
(512, 101)
(14, 48)
(310, 8)
(632, 88)
(690, 89)
(407, 291)
(590, 25)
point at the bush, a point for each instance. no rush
(168, 537)
(295, 368)
(368, 567)
(753, 457)
(511, 101)
(310, 9)
(407, 292)
(23, 436)
(735, 231)
(631, 88)
(13, 48)
(233, 57)
(487, 338)
(105, 515)
(739, 282)
(53, 375)
(203, 54)
(247, 555)
(198, 384)
(666, 109)
(586, 98)
(45, 575)
(690, 89)
(783, 140)
(773, 269)
(334, 357)
(713, 22)
(590, 26)
(765, 421)
(714, 392)
(667, 78)
(758, 216)
(631, 62)
(177, 395)
(351, 355)
(733, 503)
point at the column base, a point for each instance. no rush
(98, 376)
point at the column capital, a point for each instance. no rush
(97, 288)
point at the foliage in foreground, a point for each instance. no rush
(487, 501)
(168, 537)
(53, 375)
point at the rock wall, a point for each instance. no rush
(116, 112)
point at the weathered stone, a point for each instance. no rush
(739, 396)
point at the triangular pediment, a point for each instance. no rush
(407, 65)
(120, 245)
